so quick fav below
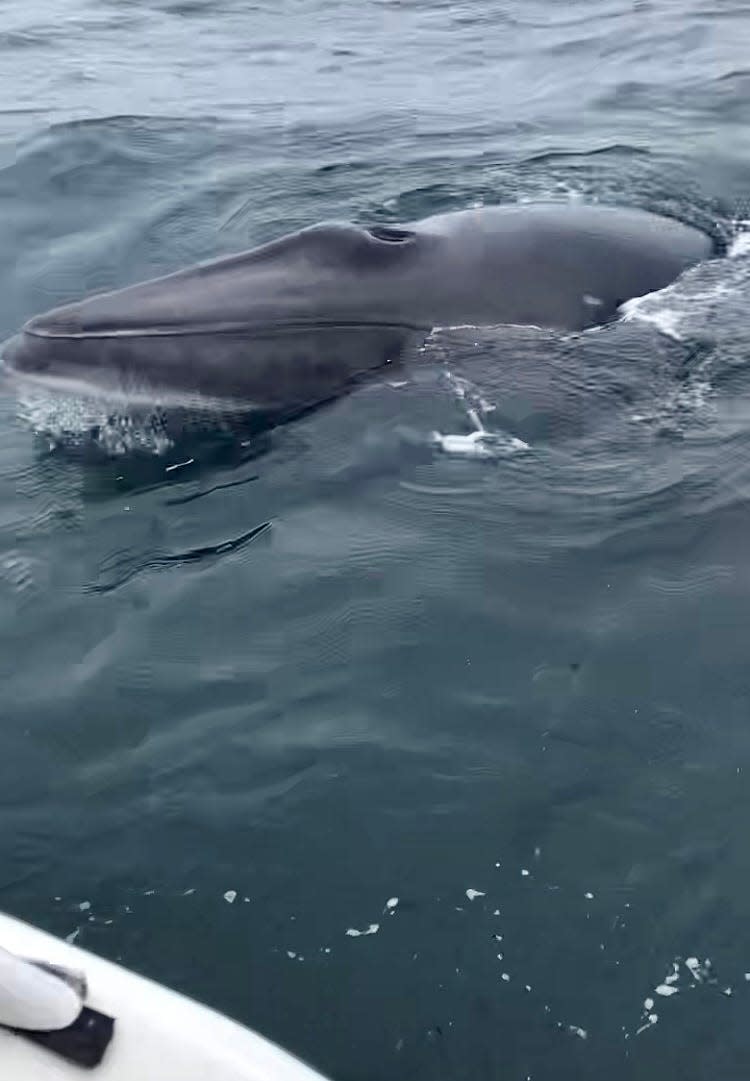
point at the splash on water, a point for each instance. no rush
(78, 422)
(482, 442)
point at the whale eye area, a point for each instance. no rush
(389, 234)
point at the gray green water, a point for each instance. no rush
(524, 675)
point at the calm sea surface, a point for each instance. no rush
(494, 710)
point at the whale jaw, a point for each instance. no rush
(282, 368)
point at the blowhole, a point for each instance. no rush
(390, 234)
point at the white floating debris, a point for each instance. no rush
(496, 912)
(589, 896)
(478, 444)
(581, 1033)
(291, 955)
(149, 893)
(391, 904)
(726, 991)
(524, 872)
(84, 906)
(651, 1020)
(666, 989)
(648, 1004)
(497, 864)
(505, 977)
(230, 896)
(471, 894)
(188, 893)
(747, 976)
(70, 939)
(373, 929)
(698, 971)
(461, 444)
(527, 987)
(179, 465)
(500, 956)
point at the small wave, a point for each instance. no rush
(694, 581)
(666, 319)
(704, 299)
(17, 571)
(181, 500)
(31, 38)
(125, 570)
(668, 416)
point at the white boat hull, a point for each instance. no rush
(159, 1035)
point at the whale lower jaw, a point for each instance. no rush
(275, 368)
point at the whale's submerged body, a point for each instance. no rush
(293, 322)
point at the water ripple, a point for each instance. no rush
(122, 569)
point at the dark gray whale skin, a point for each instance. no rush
(294, 322)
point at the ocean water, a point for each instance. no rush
(486, 701)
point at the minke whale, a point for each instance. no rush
(294, 322)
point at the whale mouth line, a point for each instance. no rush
(259, 330)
